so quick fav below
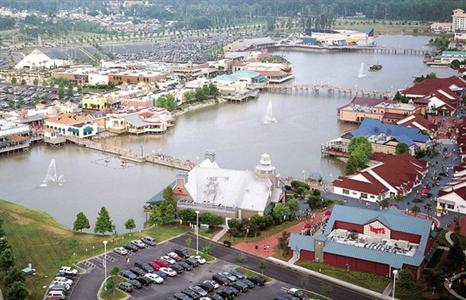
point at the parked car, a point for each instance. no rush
(233, 291)
(206, 286)
(136, 284)
(125, 286)
(56, 295)
(257, 280)
(161, 274)
(240, 286)
(144, 266)
(249, 283)
(154, 277)
(161, 262)
(120, 250)
(298, 293)
(213, 283)
(68, 270)
(182, 252)
(177, 267)
(230, 276)
(128, 274)
(181, 296)
(192, 261)
(200, 259)
(168, 259)
(227, 244)
(154, 265)
(175, 256)
(59, 287)
(186, 266)
(199, 290)
(216, 297)
(221, 279)
(63, 280)
(138, 271)
(148, 240)
(236, 273)
(139, 244)
(144, 280)
(285, 297)
(191, 293)
(169, 271)
(131, 247)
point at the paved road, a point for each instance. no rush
(286, 275)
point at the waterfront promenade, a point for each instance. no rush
(129, 154)
(317, 88)
(364, 49)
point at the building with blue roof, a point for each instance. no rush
(370, 241)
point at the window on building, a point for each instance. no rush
(450, 206)
(364, 195)
(345, 191)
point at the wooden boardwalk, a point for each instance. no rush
(132, 155)
(365, 49)
(317, 88)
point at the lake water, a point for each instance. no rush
(235, 132)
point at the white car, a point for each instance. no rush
(213, 283)
(154, 277)
(168, 259)
(63, 280)
(120, 250)
(169, 271)
(200, 259)
(138, 243)
(65, 286)
(68, 270)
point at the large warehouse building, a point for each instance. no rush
(369, 241)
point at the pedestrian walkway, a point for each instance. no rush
(331, 279)
(268, 245)
(220, 234)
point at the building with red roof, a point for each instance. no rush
(395, 175)
(417, 121)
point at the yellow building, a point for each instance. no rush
(99, 103)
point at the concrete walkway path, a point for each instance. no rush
(220, 234)
(331, 279)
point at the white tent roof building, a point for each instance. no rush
(240, 191)
(39, 60)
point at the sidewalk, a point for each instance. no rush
(220, 234)
(331, 279)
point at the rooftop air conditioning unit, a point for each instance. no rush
(402, 244)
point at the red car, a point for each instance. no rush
(175, 256)
(154, 265)
(161, 262)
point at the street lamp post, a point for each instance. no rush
(395, 274)
(105, 264)
(197, 232)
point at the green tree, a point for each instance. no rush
(81, 222)
(115, 271)
(155, 216)
(13, 80)
(428, 207)
(293, 205)
(455, 64)
(23, 82)
(103, 223)
(13, 275)
(110, 284)
(187, 215)
(383, 203)
(210, 219)
(213, 90)
(456, 254)
(130, 224)
(262, 266)
(20, 101)
(35, 82)
(283, 243)
(167, 101)
(188, 241)
(73, 243)
(7, 260)
(69, 91)
(415, 209)
(61, 90)
(401, 148)
(168, 213)
(280, 212)
(16, 291)
(4, 244)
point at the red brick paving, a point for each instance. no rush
(272, 241)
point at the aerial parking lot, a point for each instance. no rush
(89, 283)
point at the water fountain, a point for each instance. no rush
(51, 176)
(361, 73)
(268, 115)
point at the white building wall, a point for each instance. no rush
(97, 79)
(355, 194)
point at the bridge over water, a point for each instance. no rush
(317, 88)
(364, 49)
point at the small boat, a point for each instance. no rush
(375, 68)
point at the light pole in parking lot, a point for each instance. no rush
(395, 275)
(197, 232)
(105, 264)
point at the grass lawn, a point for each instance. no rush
(37, 238)
(264, 234)
(381, 28)
(365, 280)
(114, 294)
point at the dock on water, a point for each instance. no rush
(132, 155)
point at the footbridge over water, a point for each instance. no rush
(133, 155)
(317, 88)
(364, 49)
